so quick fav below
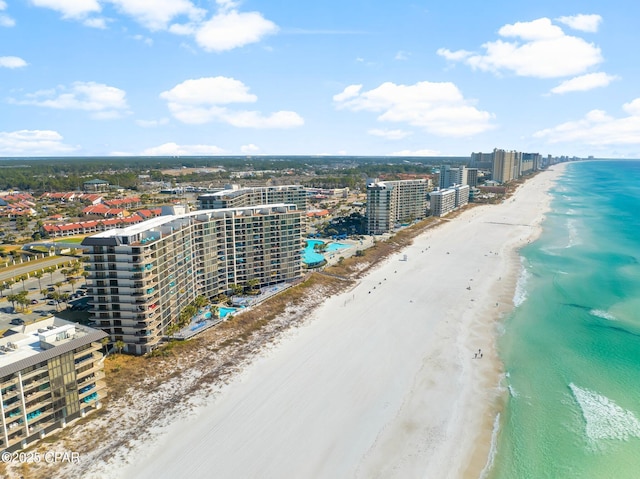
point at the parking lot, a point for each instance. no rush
(77, 309)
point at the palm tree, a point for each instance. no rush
(23, 300)
(44, 293)
(252, 283)
(12, 298)
(50, 270)
(3, 286)
(200, 301)
(120, 346)
(10, 283)
(236, 289)
(38, 274)
(58, 285)
(72, 281)
(23, 278)
(105, 341)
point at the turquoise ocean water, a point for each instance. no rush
(571, 348)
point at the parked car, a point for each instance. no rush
(17, 321)
(52, 302)
(34, 301)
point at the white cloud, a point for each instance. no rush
(6, 21)
(95, 22)
(250, 148)
(390, 134)
(541, 50)
(439, 108)
(199, 101)
(582, 22)
(152, 123)
(173, 149)
(230, 29)
(146, 40)
(209, 91)
(157, 14)
(584, 83)
(458, 55)
(12, 62)
(597, 128)
(32, 143)
(351, 91)
(103, 101)
(225, 30)
(70, 8)
(402, 55)
(424, 152)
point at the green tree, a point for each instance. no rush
(12, 298)
(236, 289)
(200, 301)
(10, 283)
(23, 278)
(120, 346)
(105, 341)
(72, 281)
(50, 270)
(38, 274)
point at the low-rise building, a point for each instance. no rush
(51, 372)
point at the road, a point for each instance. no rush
(32, 266)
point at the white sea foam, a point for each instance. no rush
(603, 314)
(520, 294)
(492, 449)
(604, 418)
(574, 239)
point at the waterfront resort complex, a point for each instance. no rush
(51, 373)
(391, 203)
(143, 276)
(235, 197)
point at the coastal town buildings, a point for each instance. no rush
(393, 202)
(235, 197)
(143, 276)
(51, 372)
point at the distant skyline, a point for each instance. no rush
(225, 77)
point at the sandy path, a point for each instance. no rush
(382, 381)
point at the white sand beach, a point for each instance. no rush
(381, 381)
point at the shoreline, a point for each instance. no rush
(424, 407)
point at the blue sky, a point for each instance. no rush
(349, 77)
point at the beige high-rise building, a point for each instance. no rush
(505, 165)
(143, 276)
(51, 373)
(235, 197)
(393, 202)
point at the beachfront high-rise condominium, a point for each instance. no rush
(51, 372)
(235, 197)
(450, 176)
(393, 202)
(505, 165)
(142, 277)
(447, 200)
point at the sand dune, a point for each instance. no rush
(382, 381)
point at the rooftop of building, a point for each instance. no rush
(234, 190)
(155, 223)
(26, 345)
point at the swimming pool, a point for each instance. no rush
(311, 258)
(223, 311)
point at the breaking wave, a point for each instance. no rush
(604, 418)
(603, 314)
